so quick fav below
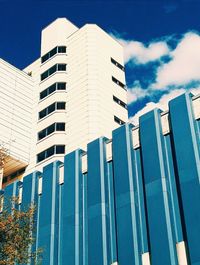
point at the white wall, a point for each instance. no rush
(16, 101)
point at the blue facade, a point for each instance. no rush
(143, 200)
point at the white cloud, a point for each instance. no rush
(136, 92)
(161, 104)
(184, 66)
(136, 51)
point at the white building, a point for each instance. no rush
(79, 90)
(16, 113)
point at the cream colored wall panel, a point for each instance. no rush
(56, 117)
(55, 138)
(56, 59)
(51, 118)
(58, 77)
(55, 97)
(181, 253)
(56, 33)
(146, 259)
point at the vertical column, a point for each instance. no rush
(71, 211)
(186, 148)
(126, 220)
(30, 196)
(173, 195)
(98, 223)
(112, 218)
(48, 212)
(11, 191)
(138, 180)
(30, 192)
(162, 240)
(85, 221)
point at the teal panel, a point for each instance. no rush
(127, 222)
(161, 234)
(173, 195)
(49, 213)
(112, 217)
(72, 211)
(186, 150)
(140, 202)
(85, 221)
(97, 199)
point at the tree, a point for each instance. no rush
(16, 235)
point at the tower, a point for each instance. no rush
(80, 91)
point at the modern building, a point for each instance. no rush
(76, 92)
(130, 200)
(103, 197)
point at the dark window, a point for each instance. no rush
(42, 113)
(51, 53)
(44, 75)
(50, 129)
(117, 64)
(118, 82)
(120, 102)
(60, 149)
(55, 149)
(61, 67)
(43, 94)
(45, 58)
(42, 134)
(60, 105)
(51, 108)
(118, 120)
(53, 69)
(52, 88)
(61, 86)
(40, 156)
(50, 151)
(60, 126)
(61, 49)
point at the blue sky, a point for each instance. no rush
(161, 41)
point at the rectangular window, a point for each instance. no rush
(55, 149)
(62, 49)
(118, 120)
(49, 90)
(61, 67)
(51, 53)
(117, 64)
(60, 105)
(118, 82)
(53, 69)
(120, 102)
(58, 126)
(51, 108)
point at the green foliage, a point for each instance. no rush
(17, 235)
